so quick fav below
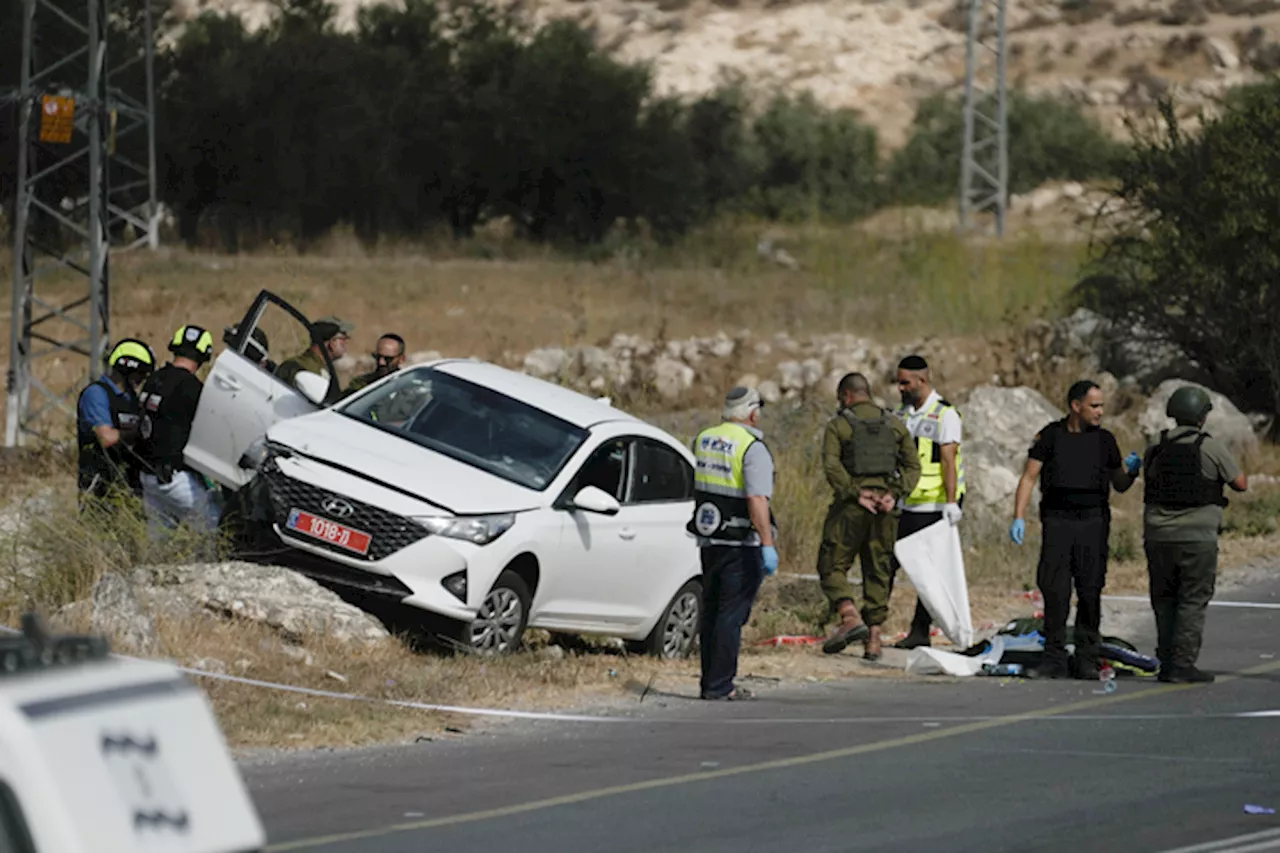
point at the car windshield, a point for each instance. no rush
(470, 423)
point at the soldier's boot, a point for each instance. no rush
(850, 630)
(873, 647)
(1185, 675)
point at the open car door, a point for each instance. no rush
(243, 396)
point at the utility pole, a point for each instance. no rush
(984, 165)
(80, 187)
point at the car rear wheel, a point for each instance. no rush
(500, 622)
(676, 633)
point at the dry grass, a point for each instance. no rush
(492, 297)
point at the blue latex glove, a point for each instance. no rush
(770, 559)
(1133, 464)
(1018, 531)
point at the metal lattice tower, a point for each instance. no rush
(984, 167)
(81, 187)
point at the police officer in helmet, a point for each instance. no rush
(1186, 470)
(733, 484)
(172, 492)
(870, 462)
(1078, 462)
(107, 421)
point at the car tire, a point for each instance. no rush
(675, 635)
(499, 624)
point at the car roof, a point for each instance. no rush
(578, 409)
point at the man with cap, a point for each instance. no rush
(870, 461)
(172, 493)
(935, 428)
(1186, 470)
(735, 529)
(107, 421)
(328, 334)
(1078, 463)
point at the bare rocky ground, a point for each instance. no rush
(882, 56)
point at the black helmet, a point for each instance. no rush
(131, 357)
(1189, 405)
(193, 342)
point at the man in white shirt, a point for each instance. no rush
(936, 427)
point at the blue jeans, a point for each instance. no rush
(731, 577)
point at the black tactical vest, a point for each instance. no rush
(1175, 476)
(99, 468)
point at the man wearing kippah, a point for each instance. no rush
(935, 426)
(734, 526)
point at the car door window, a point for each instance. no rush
(605, 469)
(270, 335)
(659, 475)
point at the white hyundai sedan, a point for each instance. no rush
(490, 498)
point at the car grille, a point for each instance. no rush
(389, 532)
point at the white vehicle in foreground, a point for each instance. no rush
(100, 753)
(481, 495)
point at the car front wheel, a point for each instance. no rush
(500, 622)
(676, 633)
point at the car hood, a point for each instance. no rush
(398, 463)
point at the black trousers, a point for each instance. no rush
(731, 577)
(1073, 552)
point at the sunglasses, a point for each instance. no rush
(379, 359)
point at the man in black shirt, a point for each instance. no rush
(1078, 462)
(171, 492)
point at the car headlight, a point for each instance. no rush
(480, 529)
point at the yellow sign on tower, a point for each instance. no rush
(57, 118)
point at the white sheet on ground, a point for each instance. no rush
(934, 561)
(928, 661)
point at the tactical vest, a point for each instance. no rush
(719, 484)
(1175, 477)
(873, 450)
(1066, 476)
(162, 437)
(98, 467)
(930, 494)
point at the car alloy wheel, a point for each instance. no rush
(680, 630)
(499, 622)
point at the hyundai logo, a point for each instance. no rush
(337, 507)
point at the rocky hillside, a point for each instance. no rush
(882, 56)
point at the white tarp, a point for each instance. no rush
(934, 561)
(929, 661)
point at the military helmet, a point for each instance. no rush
(1189, 405)
(131, 357)
(193, 342)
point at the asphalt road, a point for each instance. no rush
(942, 764)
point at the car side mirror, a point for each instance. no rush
(593, 499)
(312, 385)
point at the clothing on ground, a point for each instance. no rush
(731, 577)
(1192, 524)
(185, 498)
(1182, 577)
(1073, 553)
(1077, 468)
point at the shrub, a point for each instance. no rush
(1194, 256)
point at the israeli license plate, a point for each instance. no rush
(347, 538)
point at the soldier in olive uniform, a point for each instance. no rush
(327, 333)
(870, 461)
(1186, 470)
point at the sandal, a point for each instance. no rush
(737, 694)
